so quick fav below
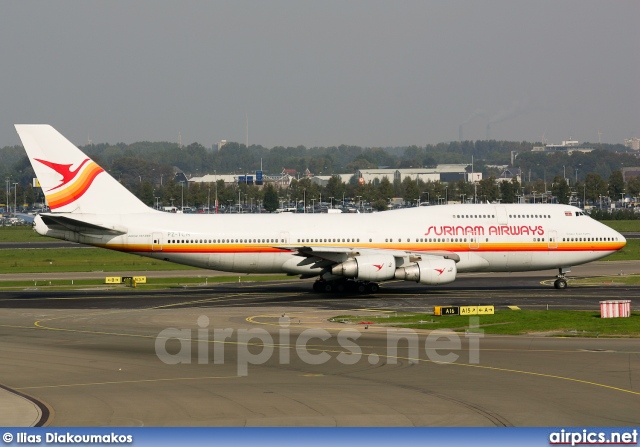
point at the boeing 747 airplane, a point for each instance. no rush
(429, 245)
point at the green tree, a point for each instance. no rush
(380, 205)
(411, 192)
(385, 189)
(465, 190)
(270, 198)
(596, 186)
(560, 189)
(616, 185)
(507, 192)
(633, 186)
(335, 187)
(488, 190)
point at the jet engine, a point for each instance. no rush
(367, 268)
(429, 271)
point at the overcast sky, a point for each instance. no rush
(321, 73)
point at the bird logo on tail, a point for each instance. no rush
(75, 182)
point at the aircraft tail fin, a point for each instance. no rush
(71, 181)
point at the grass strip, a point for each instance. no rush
(567, 323)
(88, 259)
(152, 283)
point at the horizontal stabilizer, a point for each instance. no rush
(68, 224)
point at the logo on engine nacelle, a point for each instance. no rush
(378, 266)
(440, 271)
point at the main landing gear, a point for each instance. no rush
(561, 282)
(345, 286)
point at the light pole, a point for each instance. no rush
(215, 178)
(15, 197)
(157, 205)
(182, 198)
(313, 206)
(209, 199)
(446, 195)
(8, 179)
(331, 200)
(462, 196)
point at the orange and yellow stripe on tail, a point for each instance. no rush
(76, 188)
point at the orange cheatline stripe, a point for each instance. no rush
(76, 189)
(483, 248)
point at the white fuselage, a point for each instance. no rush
(486, 237)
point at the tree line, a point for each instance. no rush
(148, 170)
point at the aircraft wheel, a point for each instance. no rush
(327, 287)
(361, 288)
(372, 287)
(340, 287)
(560, 283)
(317, 286)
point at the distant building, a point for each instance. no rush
(323, 180)
(473, 177)
(568, 146)
(375, 175)
(630, 172)
(632, 143)
(228, 179)
(443, 173)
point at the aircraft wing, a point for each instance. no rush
(341, 254)
(65, 223)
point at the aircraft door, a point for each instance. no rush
(284, 238)
(501, 214)
(474, 241)
(156, 242)
(553, 239)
